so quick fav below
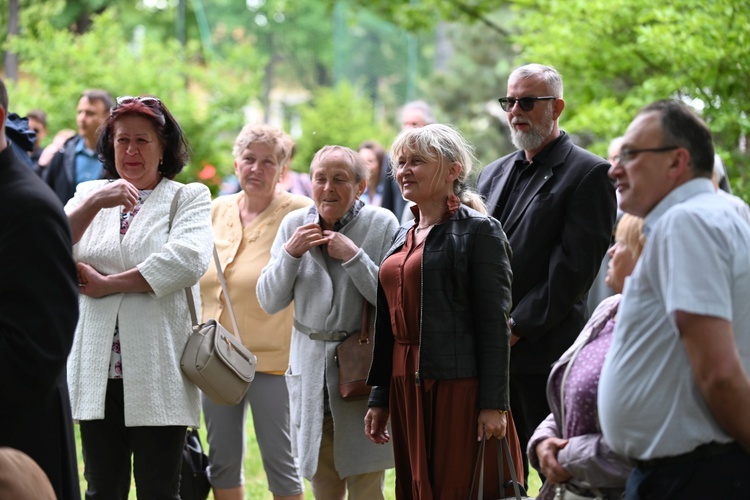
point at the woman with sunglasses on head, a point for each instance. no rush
(126, 386)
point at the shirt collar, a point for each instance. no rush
(542, 155)
(678, 195)
(451, 207)
(81, 148)
(314, 216)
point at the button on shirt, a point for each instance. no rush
(696, 261)
(88, 166)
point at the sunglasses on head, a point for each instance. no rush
(525, 103)
(151, 102)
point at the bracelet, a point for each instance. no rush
(502, 412)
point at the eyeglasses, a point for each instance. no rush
(525, 103)
(627, 155)
(151, 102)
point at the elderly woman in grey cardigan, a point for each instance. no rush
(325, 258)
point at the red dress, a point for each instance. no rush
(434, 424)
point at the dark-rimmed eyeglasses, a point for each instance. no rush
(627, 155)
(151, 102)
(525, 103)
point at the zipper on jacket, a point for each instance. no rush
(421, 309)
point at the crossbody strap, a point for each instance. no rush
(222, 280)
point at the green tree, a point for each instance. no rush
(619, 55)
(615, 56)
(337, 116)
(466, 87)
(206, 97)
(424, 15)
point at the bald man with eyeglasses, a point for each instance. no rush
(557, 206)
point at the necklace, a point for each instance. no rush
(419, 228)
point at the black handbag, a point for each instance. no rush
(502, 448)
(194, 483)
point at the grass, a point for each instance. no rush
(256, 486)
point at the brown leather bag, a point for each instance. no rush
(353, 356)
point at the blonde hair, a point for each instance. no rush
(630, 232)
(444, 144)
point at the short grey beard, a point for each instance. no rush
(526, 141)
(535, 137)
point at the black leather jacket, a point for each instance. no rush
(466, 299)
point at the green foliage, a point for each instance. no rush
(296, 34)
(619, 55)
(381, 59)
(424, 15)
(466, 89)
(206, 97)
(337, 116)
(615, 56)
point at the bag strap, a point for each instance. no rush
(500, 473)
(367, 323)
(511, 468)
(222, 280)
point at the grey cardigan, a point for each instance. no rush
(321, 304)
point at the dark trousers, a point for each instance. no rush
(528, 400)
(107, 448)
(726, 476)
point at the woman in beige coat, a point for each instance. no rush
(245, 225)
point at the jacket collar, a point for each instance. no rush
(546, 162)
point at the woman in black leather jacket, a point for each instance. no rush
(442, 341)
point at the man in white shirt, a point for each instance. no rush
(674, 394)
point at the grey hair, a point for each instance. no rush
(280, 143)
(422, 107)
(547, 73)
(444, 144)
(357, 163)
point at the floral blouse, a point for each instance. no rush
(126, 219)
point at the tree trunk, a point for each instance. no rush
(11, 59)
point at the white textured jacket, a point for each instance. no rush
(154, 327)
